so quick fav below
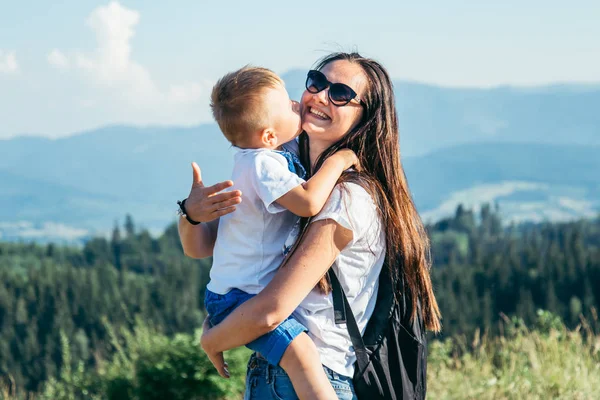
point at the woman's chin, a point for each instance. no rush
(314, 127)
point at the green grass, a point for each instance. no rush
(545, 361)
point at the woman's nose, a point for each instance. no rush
(322, 96)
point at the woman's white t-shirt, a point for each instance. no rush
(357, 267)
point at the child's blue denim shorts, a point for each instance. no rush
(272, 345)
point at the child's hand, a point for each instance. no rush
(349, 158)
(215, 358)
(205, 204)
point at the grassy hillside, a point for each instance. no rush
(546, 362)
(116, 318)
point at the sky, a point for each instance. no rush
(76, 65)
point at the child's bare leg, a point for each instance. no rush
(302, 363)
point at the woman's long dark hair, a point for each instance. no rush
(375, 140)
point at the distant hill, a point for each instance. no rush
(89, 180)
(534, 151)
(433, 117)
(531, 182)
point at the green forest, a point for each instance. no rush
(119, 318)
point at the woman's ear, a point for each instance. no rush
(269, 138)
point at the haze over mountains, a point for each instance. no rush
(535, 151)
(433, 117)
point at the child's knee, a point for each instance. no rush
(300, 354)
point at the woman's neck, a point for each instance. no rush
(316, 149)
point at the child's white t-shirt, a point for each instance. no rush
(250, 241)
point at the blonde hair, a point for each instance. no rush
(236, 101)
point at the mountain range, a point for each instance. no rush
(534, 151)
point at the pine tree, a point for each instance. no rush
(116, 245)
(129, 226)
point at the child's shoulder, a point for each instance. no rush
(260, 159)
(292, 146)
(250, 155)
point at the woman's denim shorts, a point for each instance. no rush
(265, 381)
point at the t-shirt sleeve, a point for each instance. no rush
(273, 179)
(351, 207)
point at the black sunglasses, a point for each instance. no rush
(339, 93)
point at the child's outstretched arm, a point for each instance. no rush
(308, 199)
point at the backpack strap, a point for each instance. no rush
(343, 313)
(338, 295)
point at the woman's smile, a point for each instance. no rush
(322, 119)
(313, 112)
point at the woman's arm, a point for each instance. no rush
(197, 241)
(206, 205)
(322, 243)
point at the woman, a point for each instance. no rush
(349, 103)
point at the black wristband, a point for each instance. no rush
(183, 212)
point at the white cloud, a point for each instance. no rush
(185, 93)
(110, 67)
(86, 103)
(52, 231)
(57, 59)
(8, 62)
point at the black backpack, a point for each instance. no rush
(392, 354)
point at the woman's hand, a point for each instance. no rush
(206, 204)
(216, 358)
